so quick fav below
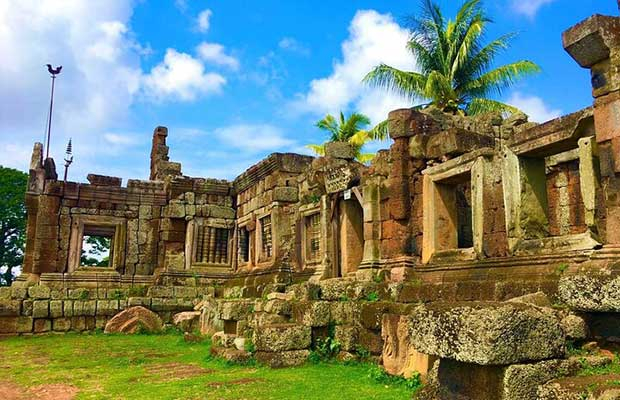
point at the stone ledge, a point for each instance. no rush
(486, 333)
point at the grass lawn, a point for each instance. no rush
(97, 366)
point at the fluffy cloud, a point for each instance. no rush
(204, 20)
(374, 38)
(100, 81)
(529, 7)
(214, 53)
(181, 76)
(534, 107)
(293, 45)
(253, 138)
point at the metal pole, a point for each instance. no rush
(49, 124)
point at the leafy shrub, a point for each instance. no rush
(379, 375)
(372, 296)
(326, 349)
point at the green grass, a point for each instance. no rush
(130, 367)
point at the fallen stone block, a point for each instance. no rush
(133, 320)
(399, 356)
(282, 359)
(284, 337)
(591, 292)
(187, 321)
(486, 333)
(597, 387)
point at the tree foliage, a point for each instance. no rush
(98, 254)
(456, 73)
(351, 130)
(13, 185)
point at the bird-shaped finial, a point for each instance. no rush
(53, 71)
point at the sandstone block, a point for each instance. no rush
(235, 309)
(398, 355)
(40, 309)
(42, 325)
(24, 324)
(590, 292)
(10, 307)
(61, 324)
(133, 320)
(39, 292)
(187, 321)
(284, 337)
(286, 194)
(343, 150)
(56, 308)
(282, 359)
(486, 333)
(312, 313)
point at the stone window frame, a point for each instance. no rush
(260, 258)
(476, 165)
(306, 213)
(248, 224)
(119, 224)
(191, 245)
(585, 150)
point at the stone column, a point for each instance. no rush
(595, 44)
(405, 125)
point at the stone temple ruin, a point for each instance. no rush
(442, 257)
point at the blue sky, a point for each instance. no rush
(234, 80)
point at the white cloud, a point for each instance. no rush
(204, 20)
(293, 45)
(118, 139)
(101, 68)
(529, 7)
(214, 52)
(253, 138)
(534, 107)
(181, 76)
(100, 81)
(373, 39)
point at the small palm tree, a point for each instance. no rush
(350, 130)
(455, 66)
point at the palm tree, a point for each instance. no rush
(350, 130)
(455, 65)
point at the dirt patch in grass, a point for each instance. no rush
(176, 371)
(56, 391)
(242, 381)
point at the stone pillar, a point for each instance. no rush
(372, 225)
(595, 44)
(159, 150)
(404, 124)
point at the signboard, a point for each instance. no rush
(337, 179)
(347, 194)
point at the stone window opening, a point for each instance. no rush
(312, 227)
(243, 244)
(212, 245)
(454, 214)
(551, 204)
(97, 242)
(266, 238)
(97, 246)
(453, 198)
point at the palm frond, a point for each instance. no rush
(379, 131)
(365, 157)
(328, 124)
(500, 78)
(407, 84)
(482, 105)
(318, 149)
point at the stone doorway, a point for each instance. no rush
(350, 236)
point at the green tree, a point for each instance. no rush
(455, 65)
(98, 254)
(13, 185)
(350, 130)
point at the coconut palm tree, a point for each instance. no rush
(455, 65)
(350, 130)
